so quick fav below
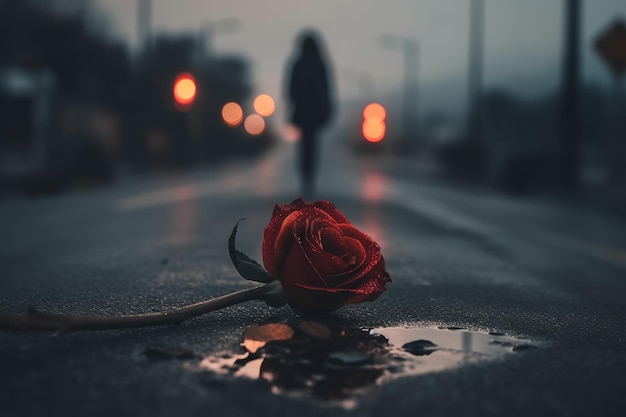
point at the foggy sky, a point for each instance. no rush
(522, 38)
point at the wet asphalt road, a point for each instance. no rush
(544, 270)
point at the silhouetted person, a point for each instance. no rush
(309, 103)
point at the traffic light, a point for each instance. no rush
(374, 122)
(184, 91)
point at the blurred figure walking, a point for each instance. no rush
(309, 103)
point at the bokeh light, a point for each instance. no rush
(254, 124)
(373, 187)
(291, 133)
(184, 89)
(264, 105)
(373, 130)
(374, 111)
(232, 114)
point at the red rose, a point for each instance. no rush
(320, 258)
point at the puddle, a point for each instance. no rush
(337, 370)
(451, 348)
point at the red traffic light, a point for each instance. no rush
(184, 90)
(373, 130)
(374, 122)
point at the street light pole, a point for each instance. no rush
(410, 116)
(144, 8)
(409, 49)
(203, 60)
(475, 74)
(570, 106)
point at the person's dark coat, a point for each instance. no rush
(308, 89)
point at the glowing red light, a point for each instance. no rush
(374, 122)
(374, 111)
(184, 89)
(373, 130)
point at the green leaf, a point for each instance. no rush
(246, 266)
(273, 295)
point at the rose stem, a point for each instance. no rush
(59, 323)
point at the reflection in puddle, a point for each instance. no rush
(442, 349)
(266, 173)
(453, 339)
(185, 213)
(371, 225)
(336, 370)
(373, 187)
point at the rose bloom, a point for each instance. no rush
(320, 258)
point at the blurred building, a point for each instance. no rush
(76, 110)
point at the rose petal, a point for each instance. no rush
(355, 259)
(351, 231)
(314, 301)
(356, 251)
(329, 238)
(370, 287)
(297, 267)
(284, 238)
(332, 241)
(361, 254)
(317, 216)
(320, 208)
(330, 209)
(372, 251)
(281, 211)
(322, 260)
(325, 263)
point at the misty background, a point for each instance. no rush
(523, 40)
(111, 64)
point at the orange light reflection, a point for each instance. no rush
(185, 213)
(373, 130)
(374, 111)
(267, 175)
(372, 226)
(184, 89)
(291, 133)
(232, 114)
(264, 105)
(254, 124)
(373, 187)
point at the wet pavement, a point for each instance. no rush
(463, 262)
(348, 364)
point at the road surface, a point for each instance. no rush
(546, 271)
